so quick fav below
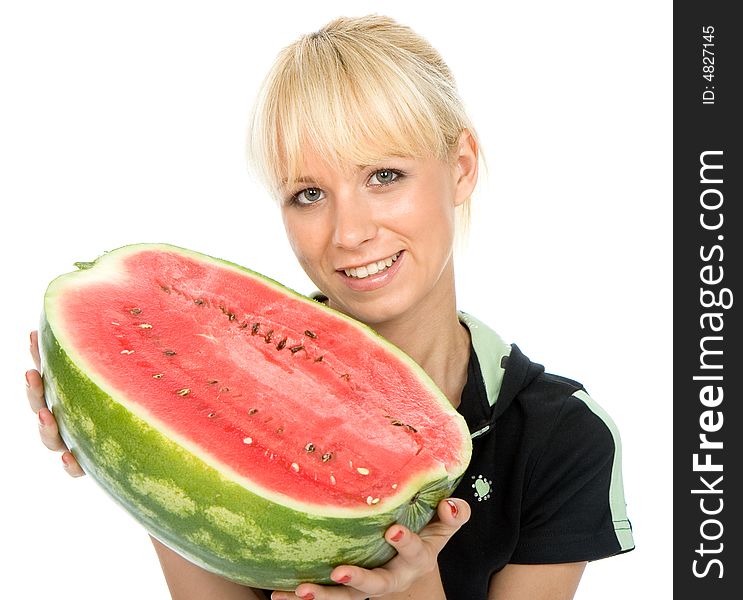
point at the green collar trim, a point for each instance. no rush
(490, 349)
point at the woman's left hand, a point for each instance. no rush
(416, 558)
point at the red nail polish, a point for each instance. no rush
(344, 579)
(398, 536)
(28, 381)
(454, 509)
(41, 419)
(308, 597)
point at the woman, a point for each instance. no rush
(360, 134)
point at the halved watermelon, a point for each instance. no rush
(253, 430)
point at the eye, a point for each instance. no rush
(384, 176)
(307, 196)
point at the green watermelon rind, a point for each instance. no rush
(194, 509)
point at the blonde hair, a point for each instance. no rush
(355, 91)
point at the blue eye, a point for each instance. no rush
(384, 176)
(308, 196)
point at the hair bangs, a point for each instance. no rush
(349, 106)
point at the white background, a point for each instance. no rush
(124, 121)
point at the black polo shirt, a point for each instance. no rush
(544, 483)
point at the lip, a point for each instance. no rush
(372, 282)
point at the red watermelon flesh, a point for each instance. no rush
(291, 403)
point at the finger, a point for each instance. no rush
(49, 431)
(34, 346)
(306, 595)
(35, 390)
(71, 465)
(358, 583)
(312, 591)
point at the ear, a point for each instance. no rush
(465, 167)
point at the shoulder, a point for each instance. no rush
(564, 405)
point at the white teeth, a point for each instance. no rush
(372, 268)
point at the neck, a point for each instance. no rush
(431, 334)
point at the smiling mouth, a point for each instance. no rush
(372, 268)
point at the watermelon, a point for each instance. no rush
(253, 430)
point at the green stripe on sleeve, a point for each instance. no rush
(617, 503)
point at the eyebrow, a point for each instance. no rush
(305, 179)
(285, 181)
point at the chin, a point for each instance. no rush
(376, 312)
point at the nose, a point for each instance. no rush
(354, 222)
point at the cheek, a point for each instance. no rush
(427, 215)
(304, 238)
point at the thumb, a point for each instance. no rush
(452, 514)
(455, 512)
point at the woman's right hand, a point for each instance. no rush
(48, 429)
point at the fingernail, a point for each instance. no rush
(65, 461)
(28, 381)
(308, 597)
(454, 509)
(398, 536)
(41, 419)
(344, 579)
